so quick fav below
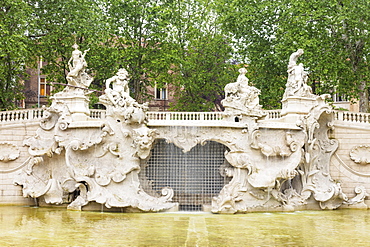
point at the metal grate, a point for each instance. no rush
(194, 176)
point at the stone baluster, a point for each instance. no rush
(339, 115)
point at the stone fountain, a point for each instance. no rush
(89, 159)
(275, 164)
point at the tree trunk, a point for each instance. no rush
(364, 97)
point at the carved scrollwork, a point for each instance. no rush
(361, 194)
(186, 139)
(98, 155)
(63, 125)
(112, 147)
(167, 193)
(8, 151)
(143, 140)
(360, 154)
(102, 179)
(50, 118)
(118, 177)
(107, 130)
(270, 150)
(32, 162)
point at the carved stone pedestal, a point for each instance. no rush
(78, 105)
(297, 105)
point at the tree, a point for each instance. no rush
(333, 34)
(137, 42)
(60, 24)
(15, 21)
(202, 66)
(202, 73)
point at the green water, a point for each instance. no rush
(26, 226)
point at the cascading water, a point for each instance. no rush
(195, 176)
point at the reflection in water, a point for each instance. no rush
(26, 226)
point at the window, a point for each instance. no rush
(161, 93)
(44, 88)
(340, 98)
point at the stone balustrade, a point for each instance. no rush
(21, 115)
(355, 117)
(273, 114)
(37, 113)
(97, 114)
(185, 116)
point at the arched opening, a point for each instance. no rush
(196, 176)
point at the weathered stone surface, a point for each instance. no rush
(274, 164)
(78, 160)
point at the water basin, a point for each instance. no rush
(28, 226)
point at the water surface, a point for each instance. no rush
(27, 226)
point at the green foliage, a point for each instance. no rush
(201, 66)
(189, 44)
(202, 73)
(59, 25)
(137, 42)
(14, 52)
(333, 34)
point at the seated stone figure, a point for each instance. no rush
(297, 78)
(119, 94)
(118, 101)
(240, 97)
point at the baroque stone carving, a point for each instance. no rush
(285, 150)
(119, 102)
(297, 78)
(282, 168)
(240, 98)
(77, 75)
(143, 140)
(8, 152)
(273, 164)
(359, 200)
(360, 154)
(77, 160)
(72, 103)
(315, 175)
(185, 137)
(258, 173)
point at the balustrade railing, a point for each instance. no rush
(21, 115)
(273, 114)
(97, 114)
(185, 116)
(37, 113)
(354, 117)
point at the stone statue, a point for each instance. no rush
(77, 64)
(272, 164)
(98, 159)
(120, 89)
(242, 79)
(297, 78)
(118, 101)
(240, 98)
(73, 102)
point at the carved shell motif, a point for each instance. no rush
(360, 154)
(8, 152)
